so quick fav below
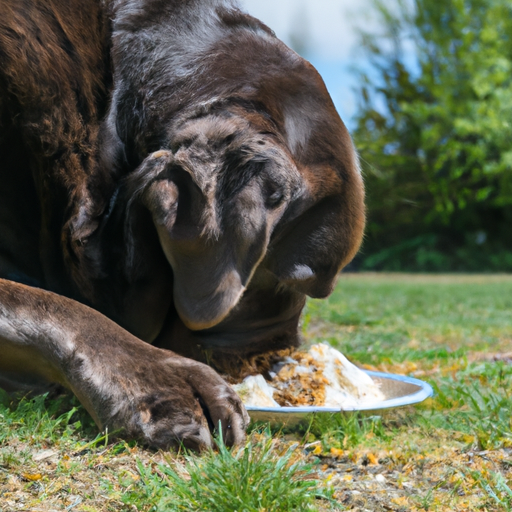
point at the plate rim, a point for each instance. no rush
(425, 391)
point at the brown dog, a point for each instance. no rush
(174, 166)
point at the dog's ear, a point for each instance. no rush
(213, 248)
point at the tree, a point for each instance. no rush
(435, 134)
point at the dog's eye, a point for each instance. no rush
(275, 199)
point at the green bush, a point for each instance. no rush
(434, 131)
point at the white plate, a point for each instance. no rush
(398, 390)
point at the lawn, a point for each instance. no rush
(451, 453)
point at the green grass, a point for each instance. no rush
(455, 332)
(479, 398)
(398, 316)
(495, 486)
(265, 474)
(451, 453)
(251, 479)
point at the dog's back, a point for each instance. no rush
(54, 80)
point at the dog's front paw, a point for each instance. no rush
(171, 401)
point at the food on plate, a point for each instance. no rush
(256, 391)
(323, 376)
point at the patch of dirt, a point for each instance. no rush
(444, 480)
(425, 475)
(85, 481)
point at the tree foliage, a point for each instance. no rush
(435, 134)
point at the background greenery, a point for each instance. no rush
(434, 131)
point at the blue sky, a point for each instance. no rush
(328, 30)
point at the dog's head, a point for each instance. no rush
(235, 192)
(249, 175)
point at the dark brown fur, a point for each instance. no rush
(174, 166)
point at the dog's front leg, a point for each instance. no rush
(147, 393)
